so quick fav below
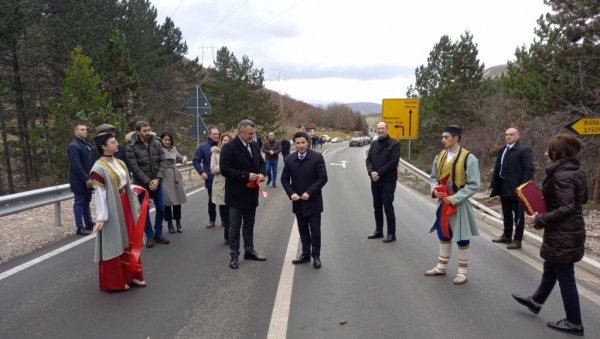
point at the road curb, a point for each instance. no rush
(586, 263)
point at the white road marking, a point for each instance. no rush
(57, 251)
(342, 163)
(281, 307)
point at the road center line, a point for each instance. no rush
(57, 251)
(281, 307)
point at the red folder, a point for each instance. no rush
(531, 198)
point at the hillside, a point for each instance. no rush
(365, 108)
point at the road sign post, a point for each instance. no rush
(402, 118)
(589, 126)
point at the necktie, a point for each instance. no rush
(502, 162)
(301, 157)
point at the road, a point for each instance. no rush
(366, 289)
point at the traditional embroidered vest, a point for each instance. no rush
(453, 171)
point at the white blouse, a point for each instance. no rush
(100, 192)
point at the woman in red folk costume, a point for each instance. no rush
(118, 238)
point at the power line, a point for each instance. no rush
(176, 8)
(224, 19)
(268, 20)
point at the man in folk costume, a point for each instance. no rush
(454, 179)
(118, 239)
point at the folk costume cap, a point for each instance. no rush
(105, 128)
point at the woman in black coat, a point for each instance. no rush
(565, 191)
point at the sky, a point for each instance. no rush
(344, 51)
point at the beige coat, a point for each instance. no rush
(172, 184)
(218, 186)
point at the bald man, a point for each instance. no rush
(514, 166)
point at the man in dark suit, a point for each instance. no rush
(382, 166)
(243, 168)
(79, 153)
(304, 175)
(514, 166)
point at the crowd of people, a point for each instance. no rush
(234, 169)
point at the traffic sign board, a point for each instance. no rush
(585, 126)
(401, 117)
(197, 103)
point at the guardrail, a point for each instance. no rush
(425, 177)
(19, 202)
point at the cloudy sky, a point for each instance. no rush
(322, 51)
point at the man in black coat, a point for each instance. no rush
(285, 148)
(243, 168)
(304, 175)
(382, 166)
(79, 153)
(514, 166)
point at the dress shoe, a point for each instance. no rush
(150, 243)
(162, 240)
(138, 283)
(268, 182)
(274, 185)
(375, 235)
(81, 231)
(317, 262)
(566, 326)
(89, 227)
(234, 263)
(253, 255)
(515, 245)
(303, 258)
(389, 238)
(526, 301)
(502, 240)
(171, 227)
(179, 227)
(210, 224)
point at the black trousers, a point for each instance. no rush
(241, 218)
(513, 212)
(383, 199)
(224, 213)
(173, 215)
(309, 228)
(212, 207)
(565, 274)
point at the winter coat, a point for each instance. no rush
(564, 191)
(383, 157)
(218, 185)
(172, 185)
(201, 161)
(308, 175)
(274, 146)
(146, 163)
(79, 153)
(517, 168)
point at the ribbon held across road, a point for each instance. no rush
(138, 231)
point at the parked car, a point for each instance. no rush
(336, 140)
(326, 137)
(357, 142)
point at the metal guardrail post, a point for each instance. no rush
(57, 219)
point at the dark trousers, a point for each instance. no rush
(565, 274)
(383, 199)
(159, 206)
(241, 218)
(224, 213)
(212, 208)
(173, 213)
(81, 209)
(309, 228)
(513, 213)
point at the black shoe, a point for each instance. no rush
(565, 326)
(89, 227)
(389, 238)
(171, 227)
(303, 258)
(317, 262)
(274, 185)
(162, 240)
(515, 245)
(268, 182)
(526, 301)
(179, 227)
(252, 255)
(502, 240)
(234, 263)
(81, 231)
(375, 235)
(150, 243)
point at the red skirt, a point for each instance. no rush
(116, 272)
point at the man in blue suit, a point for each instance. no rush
(79, 152)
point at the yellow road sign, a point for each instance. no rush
(585, 126)
(401, 117)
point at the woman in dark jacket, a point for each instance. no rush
(565, 191)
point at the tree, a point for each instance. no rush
(235, 90)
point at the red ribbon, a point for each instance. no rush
(264, 193)
(447, 210)
(138, 231)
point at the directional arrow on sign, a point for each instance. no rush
(585, 126)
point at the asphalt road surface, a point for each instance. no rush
(366, 289)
